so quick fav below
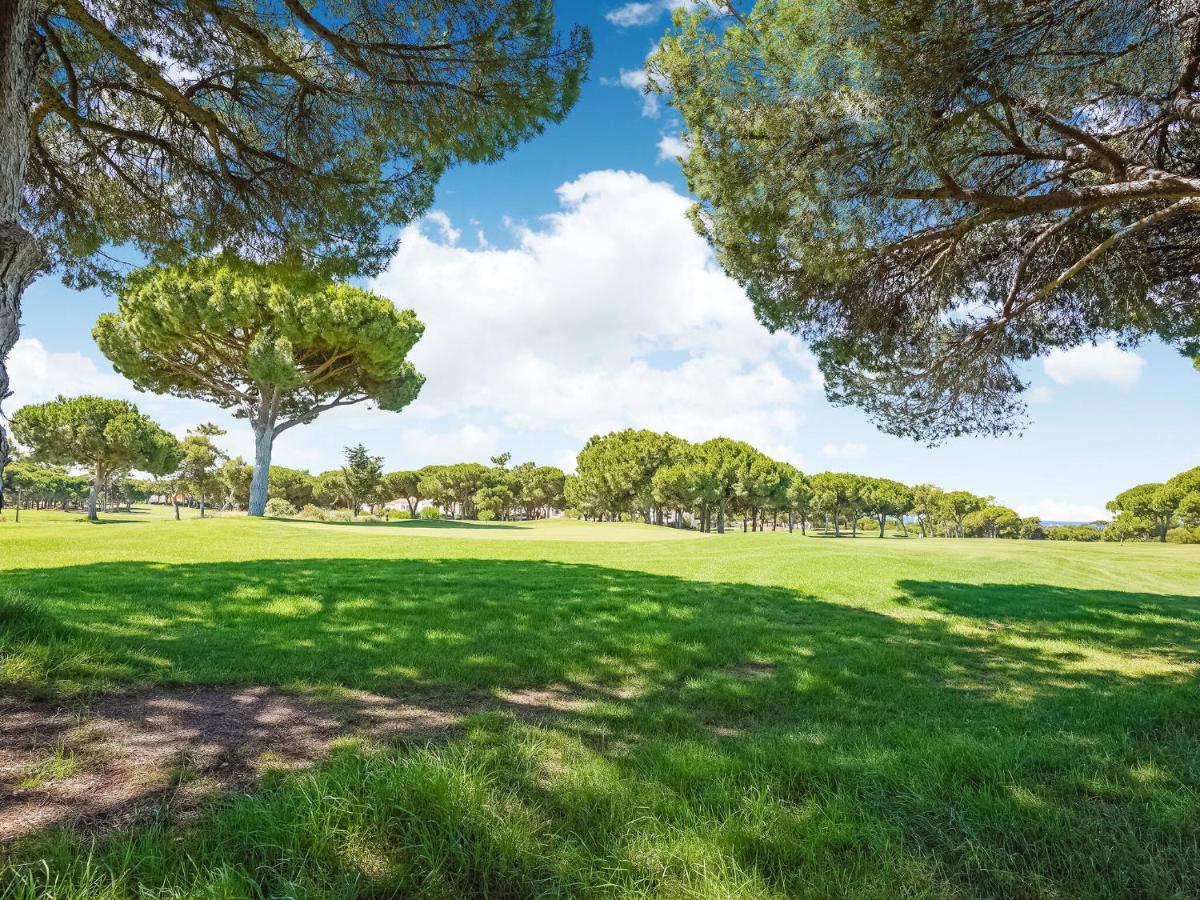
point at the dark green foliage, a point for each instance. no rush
(931, 192)
(280, 129)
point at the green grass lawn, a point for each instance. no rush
(767, 715)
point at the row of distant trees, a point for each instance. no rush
(109, 439)
(658, 478)
(665, 480)
(468, 490)
(1168, 510)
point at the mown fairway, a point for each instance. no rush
(748, 715)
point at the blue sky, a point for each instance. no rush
(565, 294)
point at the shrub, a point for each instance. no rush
(1183, 536)
(1072, 533)
(338, 515)
(279, 508)
(431, 512)
(401, 514)
(487, 515)
(313, 513)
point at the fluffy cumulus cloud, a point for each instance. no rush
(1097, 363)
(39, 375)
(610, 312)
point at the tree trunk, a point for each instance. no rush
(264, 438)
(882, 524)
(21, 256)
(92, 491)
(721, 519)
(202, 506)
(175, 503)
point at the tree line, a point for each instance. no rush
(1163, 511)
(466, 490)
(665, 480)
(110, 439)
(656, 477)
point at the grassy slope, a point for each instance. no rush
(939, 718)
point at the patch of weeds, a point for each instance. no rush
(184, 769)
(59, 765)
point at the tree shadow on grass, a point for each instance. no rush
(745, 731)
(1123, 621)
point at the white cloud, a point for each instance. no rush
(634, 14)
(1061, 511)
(646, 13)
(637, 80)
(673, 146)
(38, 375)
(609, 313)
(844, 451)
(1040, 394)
(450, 234)
(1104, 362)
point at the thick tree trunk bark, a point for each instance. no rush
(21, 256)
(264, 439)
(92, 491)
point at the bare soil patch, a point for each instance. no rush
(139, 753)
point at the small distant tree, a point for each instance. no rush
(835, 493)
(992, 522)
(1030, 529)
(293, 485)
(278, 351)
(404, 485)
(235, 476)
(927, 505)
(958, 505)
(494, 502)
(1126, 526)
(724, 463)
(884, 499)
(800, 494)
(361, 476)
(198, 468)
(44, 485)
(1153, 501)
(329, 489)
(1189, 509)
(105, 436)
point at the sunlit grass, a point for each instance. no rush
(751, 716)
